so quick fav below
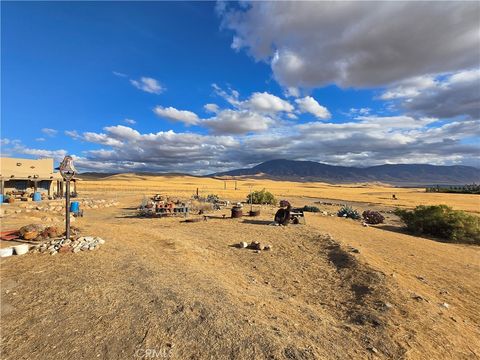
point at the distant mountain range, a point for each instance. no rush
(404, 174)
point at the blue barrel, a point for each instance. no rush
(1, 198)
(75, 207)
(37, 196)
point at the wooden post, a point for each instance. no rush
(67, 210)
(2, 186)
(197, 193)
(224, 185)
(235, 184)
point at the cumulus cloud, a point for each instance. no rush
(309, 105)
(213, 108)
(125, 149)
(266, 103)
(443, 96)
(237, 122)
(263, 102)
(184, 116)
(148, 84)
(259, 112)
(356, 44)
(363, 141)
(49, 132)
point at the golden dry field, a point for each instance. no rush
(380, 194)
(163, 288)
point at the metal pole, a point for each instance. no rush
(67, 210)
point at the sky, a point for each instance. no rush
(202, 87)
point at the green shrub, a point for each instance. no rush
(261, 197)
(314, 209)
(212, 198)
(443, 222)
(372, 217)
(348, 212)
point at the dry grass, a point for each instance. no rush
(368, 193)
(185, 290)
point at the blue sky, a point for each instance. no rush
(123, 86)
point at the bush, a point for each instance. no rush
(314, 209)
(348, 212)
(212, 198)
(372, 217)
(443, 222)
(261, 197)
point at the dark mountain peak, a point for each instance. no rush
(407, 174)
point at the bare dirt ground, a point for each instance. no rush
(161, 288)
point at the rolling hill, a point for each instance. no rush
(405, 174)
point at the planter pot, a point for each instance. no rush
(5, 252)
(21, 249)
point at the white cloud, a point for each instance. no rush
(213, 108)
(444, 95)
(72, 133)
(119, 74)
(358, 111)
(366, 140)
(292, 92)
(237, 122)
(184, 116)
(40, 139)
(148, 84)
(266, 103)
(310, 105)
(49, 132)
(129, 121)
(409, 87)
(356, 44)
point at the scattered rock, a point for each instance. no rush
(365, 224)
(255, 245)
(267, 247)
(372, 349)
(445, 305)
(421, 278)
(419, 297)
(63, 245)
(242, 245)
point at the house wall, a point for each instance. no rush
(26, 167)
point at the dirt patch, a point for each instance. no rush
(183, 290)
